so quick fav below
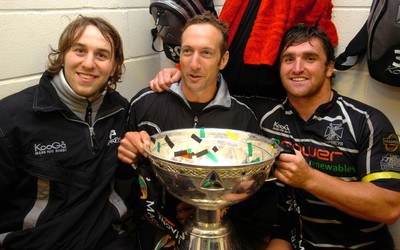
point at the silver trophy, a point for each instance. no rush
(211, 169)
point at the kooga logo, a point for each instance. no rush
(55, 147)
(282, 128)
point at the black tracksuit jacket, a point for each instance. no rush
(56, 171)
(157, 112)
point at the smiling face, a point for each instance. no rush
(89, 63)
(304, 70)
(201, 61)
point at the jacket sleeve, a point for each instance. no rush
(158, 211)
(379, 149)
(137, 109)
(8, 165)
(152, 202)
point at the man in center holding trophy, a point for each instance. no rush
(200, 99)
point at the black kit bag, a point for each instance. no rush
(170, 17)
(379, 40)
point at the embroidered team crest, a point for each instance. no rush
(391, 143)
(334, 132)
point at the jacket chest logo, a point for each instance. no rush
(51, 148)
(113, 138)
(281, 128)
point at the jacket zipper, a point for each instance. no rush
(196, 121)
(88, 119)
(93, 140)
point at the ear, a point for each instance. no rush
(224, 60)
(114, 68)
(330, 69)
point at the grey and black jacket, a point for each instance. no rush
(56, 171)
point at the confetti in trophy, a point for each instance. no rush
(211, 169)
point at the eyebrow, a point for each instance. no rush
(305, 53)
(76, 44)
(202, 48)
(311, 53)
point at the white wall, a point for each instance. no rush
(29, 27)
(349, 16)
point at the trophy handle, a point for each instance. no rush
(287, 149)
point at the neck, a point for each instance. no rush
(73, 101)
(306, 106)
(200, 96)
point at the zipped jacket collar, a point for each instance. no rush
(47, 100)
(221, 99)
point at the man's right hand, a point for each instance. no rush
(164, 79)
(132, 145)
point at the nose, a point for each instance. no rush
(88, 61)
(195, 61)
(298, 66)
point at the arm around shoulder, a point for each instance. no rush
(164, 79)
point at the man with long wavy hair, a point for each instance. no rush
(58, 147)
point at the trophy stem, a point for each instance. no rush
(208, 217)
(208, 231)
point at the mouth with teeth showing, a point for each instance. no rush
(298, 79)
(86, 76)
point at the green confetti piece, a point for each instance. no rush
(250, 149)
(202, 133)
(256, 160)
(212, 157)
(189, 150)
(158, 147)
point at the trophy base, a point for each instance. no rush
(217, 235)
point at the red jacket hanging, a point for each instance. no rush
(274, 17)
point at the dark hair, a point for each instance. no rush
(302, 33)
(210, 18)
(74, 31)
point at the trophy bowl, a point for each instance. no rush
(211, 168)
